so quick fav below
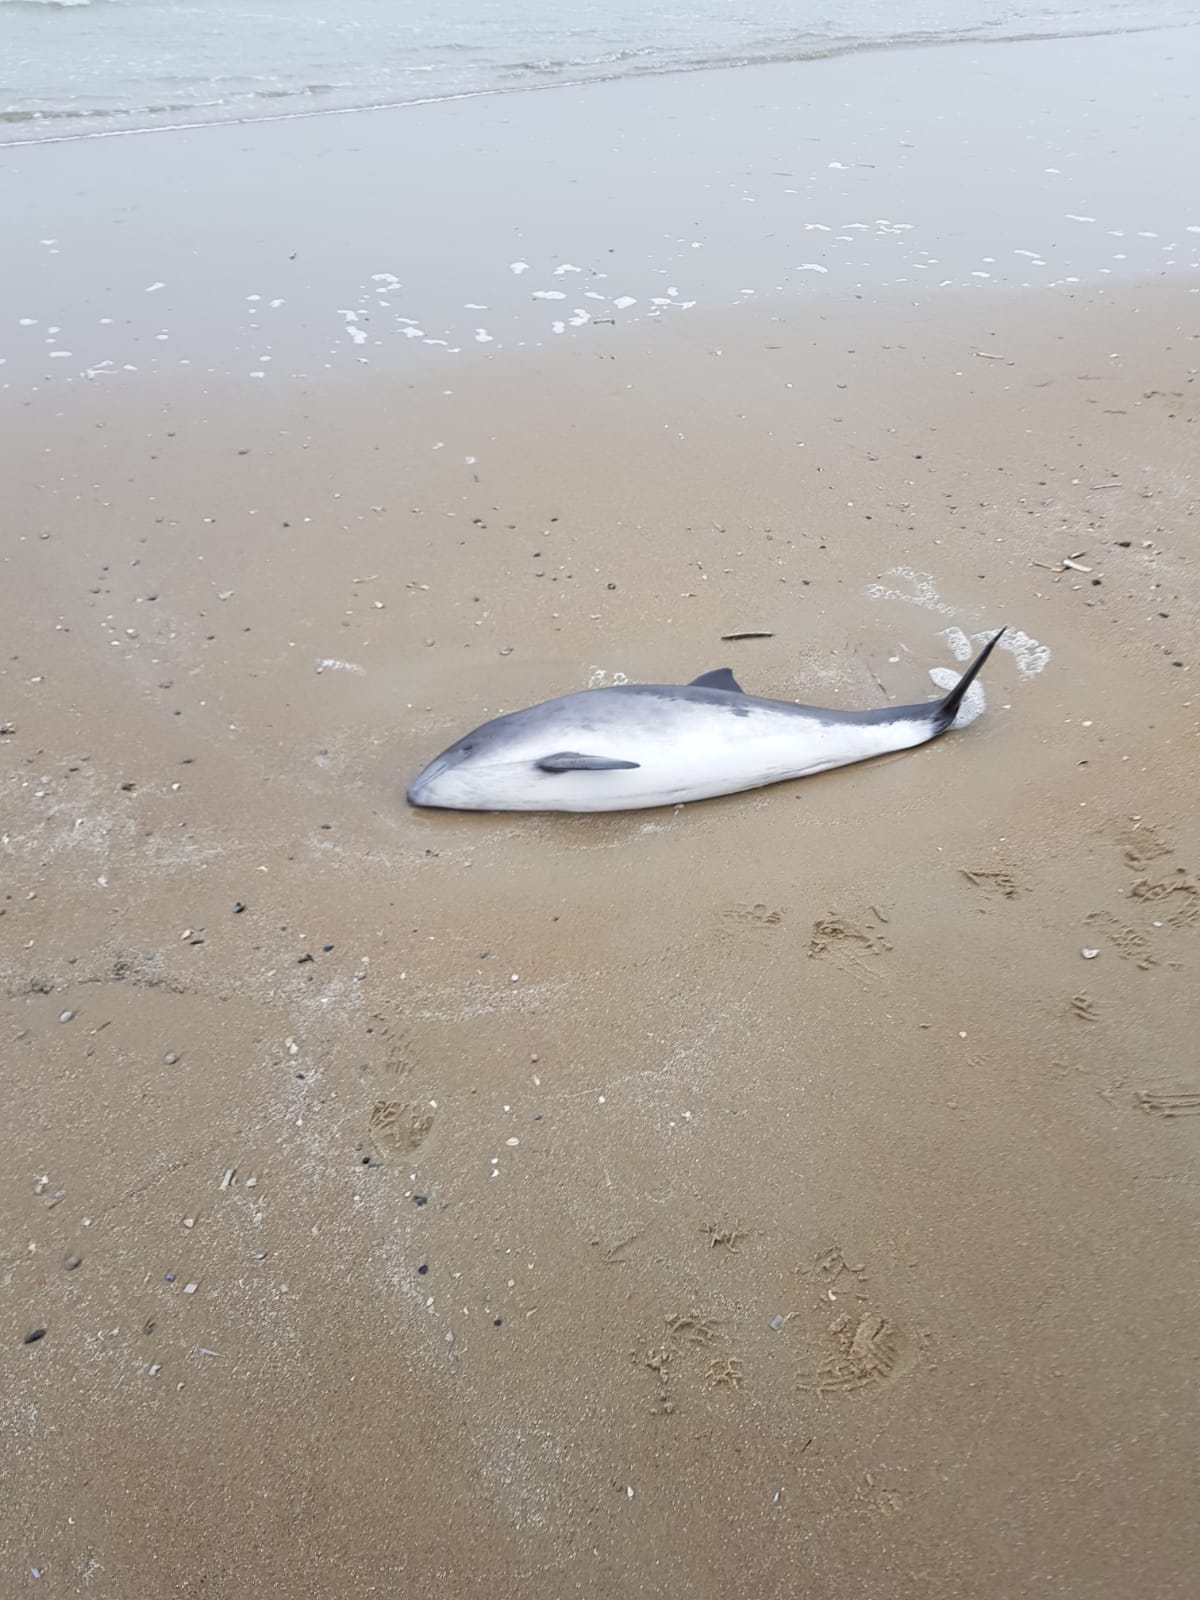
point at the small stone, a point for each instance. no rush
(66, 1016)
(778, 1322)
(170, 1058)
(189, 1222)
(190, 1288)
(33, 1336)
(72, 1262)
(1089, 955)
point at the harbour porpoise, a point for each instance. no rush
(647, 744)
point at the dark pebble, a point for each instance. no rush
(32, 1338)
(238, 908)
(305, 957)
(423, 1268)
(72, 1262)
(421, 1199)
(498, 1322)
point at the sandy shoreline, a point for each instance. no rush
(549, 1120)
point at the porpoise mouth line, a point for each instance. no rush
(633, 746)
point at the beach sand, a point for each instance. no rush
(794, 1194)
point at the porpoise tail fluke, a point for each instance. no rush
(947, 709)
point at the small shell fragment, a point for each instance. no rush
(1089, 955)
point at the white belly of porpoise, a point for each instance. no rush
(695, 756)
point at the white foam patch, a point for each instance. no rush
(518, 267)
(357, 335)
(332, 664)
(1031, 656)
(922, 592)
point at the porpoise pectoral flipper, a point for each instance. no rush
(634, 745)
(572, 761)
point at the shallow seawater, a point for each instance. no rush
(72, 67)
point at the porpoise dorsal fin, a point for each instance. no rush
(719, 678)
(573, 761)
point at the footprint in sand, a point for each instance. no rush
(758, 915)
(836, 938)
(398, 1126)
(1180, 889)
(1169, 1100)
(688, 1338)
(850, 1345)
(396, 1047)
(1141, 843)
(995, 881)
(1129, 944)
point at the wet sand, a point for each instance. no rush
(791, 1194)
